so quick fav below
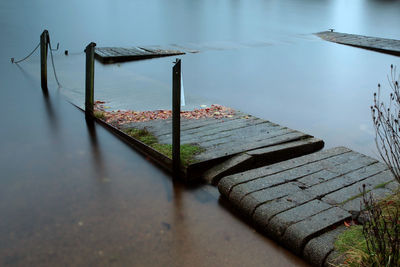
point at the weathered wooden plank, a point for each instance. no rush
(277, 226)
(240, 190)
(156, 124)
(254, 141)
(235, 136)
(354, 205)
(250, 202)
(346, 193)
(223, 125)
(227, 183)
(227, 167)
(297, 235)
(231, 134)
(340, 168)
(226, 125)
(332, 185)
(247, 135)
(119, 54)
(383, 45)
(213, 129)
(153, 50)
(186, 49)
(264, 156)
(266, 211)
(230, 150)
(199, 125)
(162, 127)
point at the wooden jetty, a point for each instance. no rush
(383, 45)
(232, 144)
(110, 55)
(275, 177)
(303, 202)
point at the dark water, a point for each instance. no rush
(72, 194)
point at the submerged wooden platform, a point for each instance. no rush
(303, 202)
(233, 144)
(119, 54)
(383, 45)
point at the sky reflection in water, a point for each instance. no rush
(71, 193)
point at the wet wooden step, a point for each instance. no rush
(383, 45)
(262, 141)
(109, 55)
(301, 201)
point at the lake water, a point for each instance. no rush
(72, 194)
(260, 58)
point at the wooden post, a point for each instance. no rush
(89, 93)
(176, 118)
(44, 40)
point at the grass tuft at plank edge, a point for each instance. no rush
(356, 243)
(99, 114)
(188, 151)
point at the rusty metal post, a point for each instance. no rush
(44, 41)
(176, 118)
(89, 89)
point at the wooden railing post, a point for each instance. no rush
(89, 88)
(176, 118)
(44, 40)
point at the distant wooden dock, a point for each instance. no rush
(383, 45)
(234, 144)
(109, 55)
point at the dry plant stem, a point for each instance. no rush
(386, 119)
(382, 231)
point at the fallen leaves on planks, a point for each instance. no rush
(127, 116)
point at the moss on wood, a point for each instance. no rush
(188, 151)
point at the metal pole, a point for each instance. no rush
(44, 40)
(89, 95)
(176, 118)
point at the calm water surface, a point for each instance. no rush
(72, 194)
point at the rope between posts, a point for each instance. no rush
(51, 55)
(16, 62)
(52, 63)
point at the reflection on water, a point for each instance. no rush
(73, 194)
(100, 203)
(263, 54)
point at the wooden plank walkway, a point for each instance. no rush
(232, 144)
(109, 55)
(388, 46)
(303, 202)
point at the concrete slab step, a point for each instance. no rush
(300, 202)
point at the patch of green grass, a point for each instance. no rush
(188, 151)
(352, 237)
(142, 135)
(352, 243)
(99, 114)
